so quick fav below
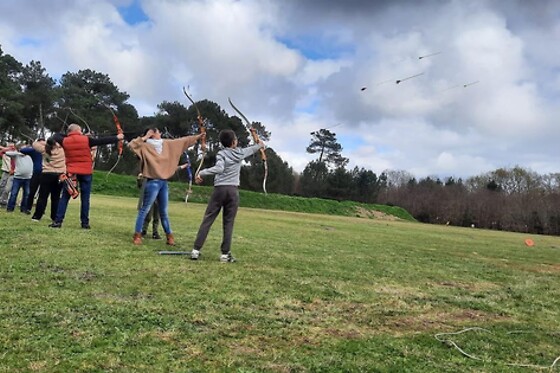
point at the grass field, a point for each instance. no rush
(309, 293)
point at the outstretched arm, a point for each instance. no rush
(218, 168)
(105, 140)
(250, 150)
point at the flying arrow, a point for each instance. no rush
(410, 77)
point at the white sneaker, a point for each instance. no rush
(227, 258)
(195, 254)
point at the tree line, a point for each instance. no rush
(32, 105)
(512, 199)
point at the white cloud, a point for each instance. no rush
(429, 124)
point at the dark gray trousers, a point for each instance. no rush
(226, 197)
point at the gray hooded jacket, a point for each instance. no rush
(228, 165)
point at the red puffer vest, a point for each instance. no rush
(77, 152)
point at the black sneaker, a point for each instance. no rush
(86, 226)
(156, 236)
(27, 212)
(144, 233)
(55, 225)
(227, 258)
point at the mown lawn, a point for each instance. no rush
(309, 293)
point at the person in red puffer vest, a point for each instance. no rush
(79, 165)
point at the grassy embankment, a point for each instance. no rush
(125, 186)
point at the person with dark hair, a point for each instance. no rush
(37, 159)
(158, 158)
(79, 166)
(225, 194)
(53, 166)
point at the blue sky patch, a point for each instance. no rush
(349, 142)
(133, 14)
(29, 42)
(310, 107)
(317, 48)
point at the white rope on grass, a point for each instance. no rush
(452, 343)
(449, 341)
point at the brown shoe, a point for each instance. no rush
(137, 238)
(170, 239)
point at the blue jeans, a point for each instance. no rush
(154, 189)
(84, 182)
(18, 184)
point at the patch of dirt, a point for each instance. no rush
(372, 214)
(279, 368)
(167, 336)
(398, 291)
(410, 325)
(242, 350)
(477, 286)
(312, 322)
(37, 366)
(436, 320)
(345, 334)
(548, 268)
(535, 268)
(340, 320)
(87, 276)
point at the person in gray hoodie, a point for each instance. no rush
(22, 179)
(225, 194)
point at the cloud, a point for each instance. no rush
(298, 66)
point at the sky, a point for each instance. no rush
(479, 80)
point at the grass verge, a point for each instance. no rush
(309, 293)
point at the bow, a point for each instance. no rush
(256, 140)
(65, 124)
(41, 122)
(190, 177)
(80, 118)
(201, 129)
(28, 137)
(121, 142)
(89, 133)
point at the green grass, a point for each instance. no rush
(309, 293)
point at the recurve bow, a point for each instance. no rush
(256, 140)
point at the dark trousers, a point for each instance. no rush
(226, 197)
(48, 186)
(85, 192)
(33, 187)
(153, 216)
